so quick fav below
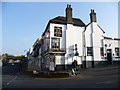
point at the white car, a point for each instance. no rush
(0, 63)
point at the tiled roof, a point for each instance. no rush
(97, 25)
(101, 28)
(116, 38)
(62, 20)
(107, 37)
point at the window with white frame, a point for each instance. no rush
(89, 51)
(101, 51)
(55, 43)
(58, 31)
(117, 51)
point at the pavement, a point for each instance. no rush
(98, 77)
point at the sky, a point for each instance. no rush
(24, 22)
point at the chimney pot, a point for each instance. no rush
(93, 16)
(67, 5)
(69, 14)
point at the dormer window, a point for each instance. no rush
(58, 31)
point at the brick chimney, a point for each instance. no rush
(93, 16)
(69, 14)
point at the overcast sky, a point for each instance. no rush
(24, 22)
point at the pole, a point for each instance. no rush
(92, 44)
(84, 49)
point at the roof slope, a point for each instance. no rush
(107, 37)
(97, 25)
(62, 20)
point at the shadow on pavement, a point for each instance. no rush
(10, 69)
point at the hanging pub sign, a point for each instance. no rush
(76, 53)
(47, 34)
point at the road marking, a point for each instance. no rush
(71, 77)
(51, 78)
(11, 80)
(104, 82)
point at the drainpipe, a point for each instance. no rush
(92, 45)
(92, 19)
(84, 46)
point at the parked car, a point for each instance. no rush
(1, 63)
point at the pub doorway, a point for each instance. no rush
(109, 56)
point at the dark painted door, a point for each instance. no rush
(109, 56)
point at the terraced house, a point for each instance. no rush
(67, 38)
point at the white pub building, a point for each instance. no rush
(66, 39)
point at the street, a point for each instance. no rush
(98, 77)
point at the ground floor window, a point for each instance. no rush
(101, 51)
(55, 43)
(117, 51)
(89, 51)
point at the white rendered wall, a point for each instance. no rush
(94, 37)
(112, 44)
(73, 36)
(59, 60)
(62, 39)
(78, 38)
(69, 44)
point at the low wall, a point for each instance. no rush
(98, 63)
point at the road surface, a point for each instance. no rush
(102, 77)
